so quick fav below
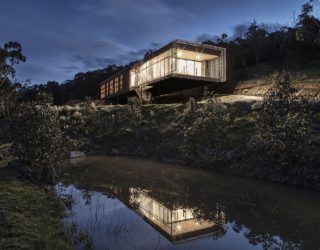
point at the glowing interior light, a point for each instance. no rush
(179, 227)
(197, 223)
(198, 57)
(179, 53)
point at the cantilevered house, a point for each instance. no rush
(177, 66)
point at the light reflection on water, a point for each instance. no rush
(134, 204)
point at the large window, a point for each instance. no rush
(198, 69)
(121, 83)
(102, 91)
(181, 66)
(116, 85)
(133, 78)
(152, 69)
(189, 67)
(111, 90)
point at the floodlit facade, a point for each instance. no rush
(178, 65)
(177, 224)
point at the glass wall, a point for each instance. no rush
(177, 61)
(150, 70)
(189, 67)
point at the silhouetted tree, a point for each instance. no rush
(10, 55)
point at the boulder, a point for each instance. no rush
(77, 154)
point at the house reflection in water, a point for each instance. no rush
(178, 225)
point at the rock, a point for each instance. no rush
(21, 167)
(1, 157)
(115, 151)
(77, 154)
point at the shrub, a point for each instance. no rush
(37, 138)
(206, 139)
(283, 128)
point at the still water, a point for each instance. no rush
(123, 203)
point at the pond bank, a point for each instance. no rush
(30, 215)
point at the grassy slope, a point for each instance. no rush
(30, 216)
(263, 73)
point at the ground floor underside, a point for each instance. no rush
(168, 90)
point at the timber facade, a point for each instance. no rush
(177, 66)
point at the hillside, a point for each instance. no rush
(258, 79)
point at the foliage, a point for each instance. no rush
(10, 54)
(37, 137)
(134, 112)
(204, 134)
(206, 139)
(283, 127)
(276, 45)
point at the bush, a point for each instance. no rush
(206, 139)
(283, 129)
(37, 138)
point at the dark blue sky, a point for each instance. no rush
(63, 37)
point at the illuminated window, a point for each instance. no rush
(181, 66)
(190, 68)
(162, 68)
(111, 89)
(116, 85)
(121, 83)
(102, 91)
(132, 78)
(198, 68)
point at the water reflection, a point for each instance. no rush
(177, 224)
(133, 204)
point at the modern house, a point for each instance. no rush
(177, 66)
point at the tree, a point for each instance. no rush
(308, 26)
(256, 38)
(283, 130)
(10, 55)
(37, 137)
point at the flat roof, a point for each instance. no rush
(182, 44)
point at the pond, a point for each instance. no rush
(124, 203)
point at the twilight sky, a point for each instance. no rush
(63, 37)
